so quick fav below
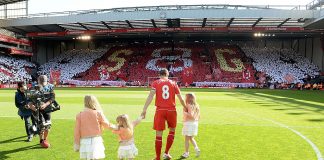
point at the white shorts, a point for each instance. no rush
(92, 148)
(190, 128)
(129, 151)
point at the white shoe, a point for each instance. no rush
(30, 138)
(167, 156)
(185, 155)
(197, 152)
(47, 123)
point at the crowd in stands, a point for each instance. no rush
(281, 65)
(206, 64)
(72, 62)
(14, 70)
(137, 63)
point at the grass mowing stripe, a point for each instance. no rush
(314, 147)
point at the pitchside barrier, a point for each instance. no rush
(224, 84)
(12, 85)
(149, 82)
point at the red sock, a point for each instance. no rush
(158, 147)
(169, 141)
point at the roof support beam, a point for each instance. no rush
(204, 22)
(83, 26)
(153, 23)
(169, 23)
(11, 29)
(104, 23)
(39, 28)
(71, 25)
(173, 22)
(301, 20)
(129, 24)
(62, 28)
(230, 22)
(5, 2)
(178, 22)
(147, 15)
(286, 20)
(256, 22)
(20, 30)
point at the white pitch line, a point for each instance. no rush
(314, 147)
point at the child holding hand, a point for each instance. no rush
(190, 124)
(125, 132)
(89, 126)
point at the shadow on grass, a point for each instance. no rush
(316, 120)
(296, 104)
(180, 158)
(306, 95)
(297, 113)
(4, 154)
(282, 109)
(12, 140)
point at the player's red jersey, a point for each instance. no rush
(165, 93)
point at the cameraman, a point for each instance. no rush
(47, 89)
(24, 112)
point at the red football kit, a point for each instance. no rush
(166, 91)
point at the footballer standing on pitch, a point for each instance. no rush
(165, 91)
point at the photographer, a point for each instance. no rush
(24, 112)
(44, 116)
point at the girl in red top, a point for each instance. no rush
(125, 132)
(190, 124)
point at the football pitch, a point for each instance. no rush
(236, 124)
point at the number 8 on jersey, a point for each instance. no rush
(165, 92)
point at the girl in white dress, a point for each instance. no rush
(90, 124)
(190, 124)
(125, 132)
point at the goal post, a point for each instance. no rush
(150, 80)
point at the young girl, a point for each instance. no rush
(88, 129)
(125, 131)
(190, 124)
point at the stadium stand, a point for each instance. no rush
(72, 62)
(190, 63)
(6, 32)
(14, 69)
(282, 65)
(137, 63)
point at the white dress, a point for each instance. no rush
(190, 128)
(127, 149)
(92, 148)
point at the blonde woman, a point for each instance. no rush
(125, 132)
(89, 126)
(190, 124)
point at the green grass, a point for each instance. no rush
(235, 124)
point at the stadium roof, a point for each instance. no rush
(4, 2)
(174, 16)
(319, 22)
